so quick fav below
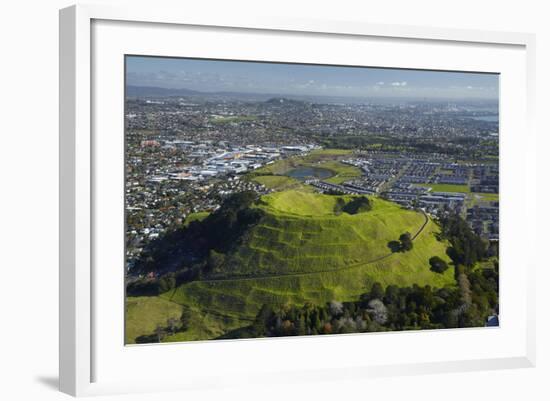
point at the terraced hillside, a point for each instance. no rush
(302, 251)
(301, 232)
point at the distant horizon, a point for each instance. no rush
(307, 80)
(267, 95)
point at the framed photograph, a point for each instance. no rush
(277, 199)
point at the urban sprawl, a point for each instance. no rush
(184, 155)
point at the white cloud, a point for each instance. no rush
(397, 83)
(381, 83)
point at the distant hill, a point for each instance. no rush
(285, 101)
(154, 91)
(133, 91)
(146, 91)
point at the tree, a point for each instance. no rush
(338, 207)
(172, 325)
(185, 320)
(301, 326)
(327, 328)
(406, 242)
(336, 308)
(357, 205)
(376, 291)
(166, 283)
(215, 260)
(395, 246)
(260, 325)
(379, 311)
(392, 294)
(467, 247)
(438, 265)
(160, 333)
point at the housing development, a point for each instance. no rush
(254, 214)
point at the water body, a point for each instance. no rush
(308, 173)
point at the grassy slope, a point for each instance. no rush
(301, 234)
(204, 324)
(328, 265)
(243, 298)
(143, 314)
(280, 182)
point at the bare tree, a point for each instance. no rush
(378, 310)
(336, 308)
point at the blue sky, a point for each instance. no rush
(313, 80)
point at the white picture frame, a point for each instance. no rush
(82, 344)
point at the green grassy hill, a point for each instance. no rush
(301, 233)
(302, 252)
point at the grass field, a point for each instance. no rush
(231, 119)
(448, 188)
(302, 252)
(487, 197)
(143, 314)
(323, 154)
(342, 172)
(204, 324)
(281, 183)
(279, 167)
(322, 158)
(475, 198)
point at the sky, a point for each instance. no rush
(307, 80)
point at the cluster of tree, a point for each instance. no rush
(188, 253)
(356, 205)
(404, 244)
(332, 318)
(156, 285)
(456, 146)
(389, 309)
(438, 265)
(151, 286)
(467, 248)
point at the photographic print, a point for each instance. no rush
(278, 199)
